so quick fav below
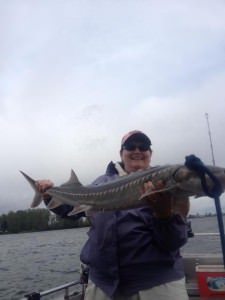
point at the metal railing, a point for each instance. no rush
(65, 287)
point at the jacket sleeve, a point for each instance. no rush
(171, 233)
(63, 210)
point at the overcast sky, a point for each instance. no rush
(75, 76)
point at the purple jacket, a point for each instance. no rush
(131, 250)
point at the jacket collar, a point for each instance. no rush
(115, 169)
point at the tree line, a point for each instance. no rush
(39, 219)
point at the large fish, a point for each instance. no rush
(127, 191)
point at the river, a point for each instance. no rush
(32, 262)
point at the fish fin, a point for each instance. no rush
(78, 209)
(73, 180)
(151, 192)
(198, 195)
(54, 203)
(37, 196)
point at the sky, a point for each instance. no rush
(75, 76)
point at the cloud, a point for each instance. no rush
(74, 83)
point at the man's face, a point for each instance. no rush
(135, 158)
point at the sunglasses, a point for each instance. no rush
(134, 146)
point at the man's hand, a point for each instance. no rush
(163, 203)
(43, 185)
(160, 202)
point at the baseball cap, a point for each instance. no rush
(135, 136)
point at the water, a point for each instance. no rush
(33, 262)
(38, 261)
(204, 244)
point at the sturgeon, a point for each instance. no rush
(126, 192)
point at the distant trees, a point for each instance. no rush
(207, 214)
(25, 220)
(3, 224)
(56, 222)
(36, 220)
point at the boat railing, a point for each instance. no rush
(64, 287)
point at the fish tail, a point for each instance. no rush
(37, 196)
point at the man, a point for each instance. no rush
(134, 254)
